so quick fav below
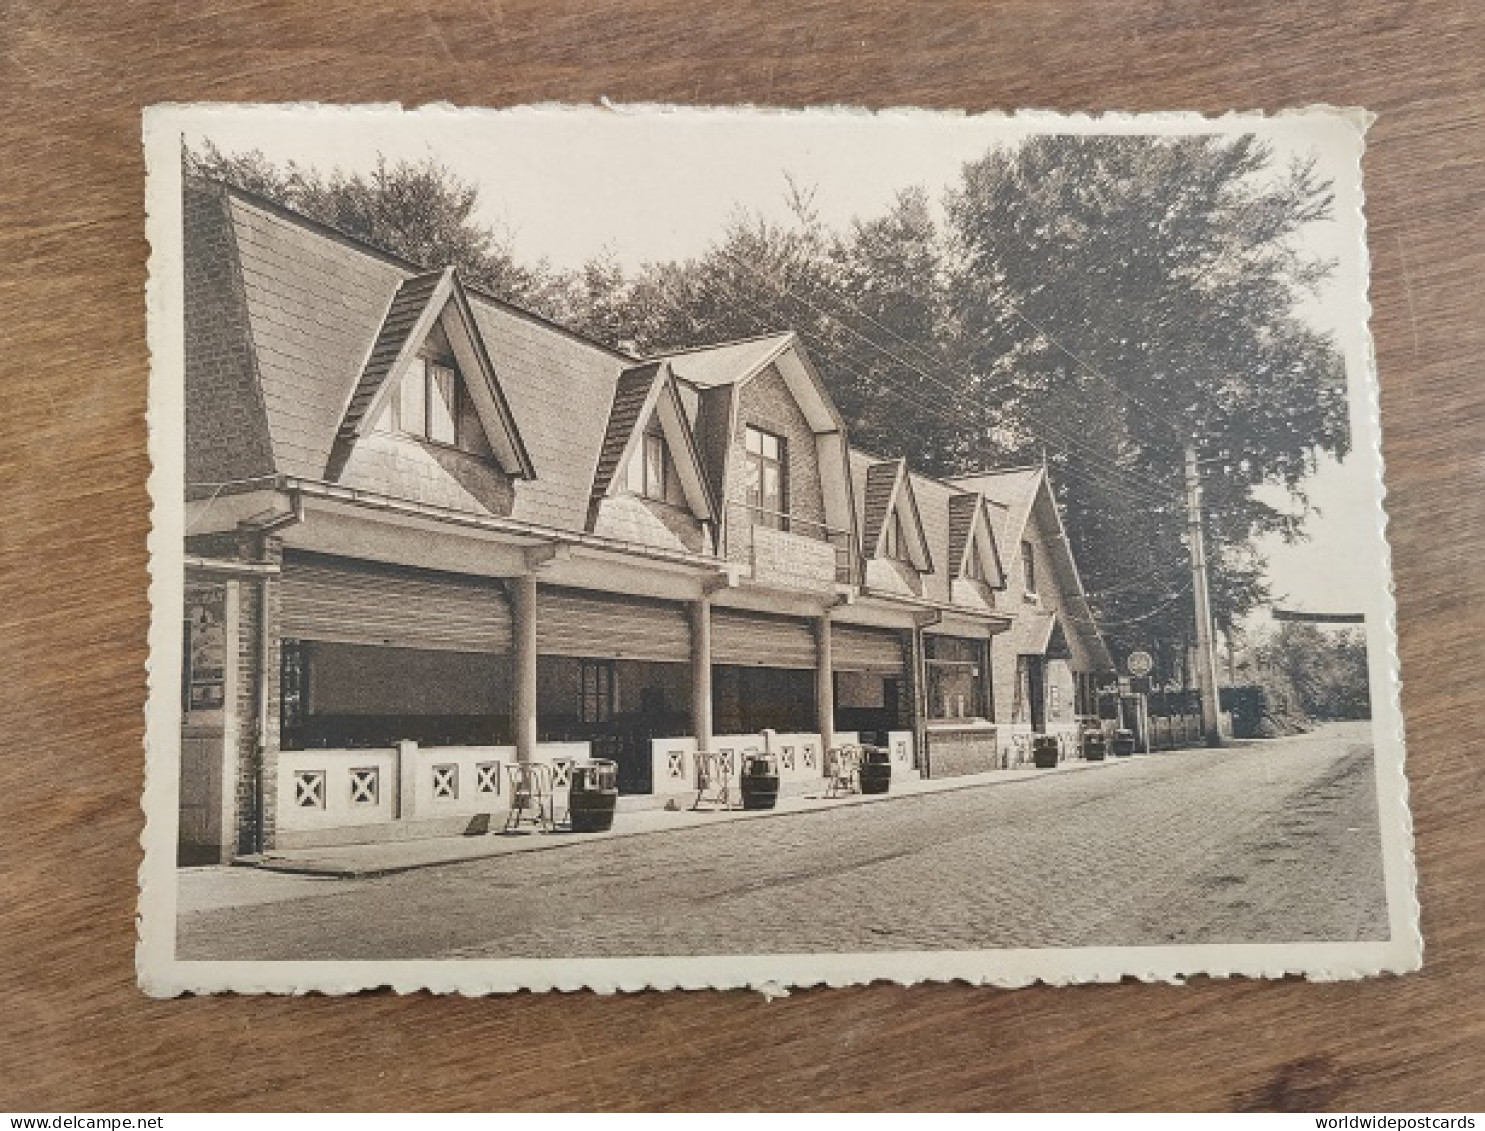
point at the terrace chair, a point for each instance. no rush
(713, 779)
(842, 770)
(530, 795)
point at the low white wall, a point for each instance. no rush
(799, 756)
(673, 760)
(900, 743)
(411, 783)
(459, 767)
(673, 765)
(332, 769)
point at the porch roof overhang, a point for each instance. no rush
(923, 612)
(511, 532)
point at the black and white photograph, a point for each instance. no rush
(650, 547)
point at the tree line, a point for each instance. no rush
(1094, 303)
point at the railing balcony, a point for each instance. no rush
(786, 549)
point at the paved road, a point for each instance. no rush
(1271, 842)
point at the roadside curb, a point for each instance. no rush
(491, 846)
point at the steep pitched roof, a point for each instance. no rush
(407, 309)
(560, 390)
(962, 512)
(223, 393)
(631, 394)
(315, 304)
(886, 488)
(1020, 491)
(1013, 488)
(970, 531)
(314, 307)
(727, 362)
(881, 483)
(642, 391)
(421, 303)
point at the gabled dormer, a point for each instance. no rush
(650, 486)
(427, 417)
(773, 443)
(893, 540)
(975, 566)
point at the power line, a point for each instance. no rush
(1143, 496)
(1133, 488)
(936, 361)
(1181, 431)
(1127, 621)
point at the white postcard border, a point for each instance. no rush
(161, 974)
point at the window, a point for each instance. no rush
(895, 544)
(596, 697)
(443, 405)
(974, 567)
(956, 687)
(649, 468)
(1028, 567)
(428, 405)
(292, 688)
(765, 480)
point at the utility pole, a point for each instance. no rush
(1206, 646)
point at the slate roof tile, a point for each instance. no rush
(316, 306)
(630, 393)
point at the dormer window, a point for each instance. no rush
(1028, 569)
(432, 405)
(427, 405)
(650, 473)
(894, 543)
(766, 484)
(974, 568)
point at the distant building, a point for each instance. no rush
(430, 534)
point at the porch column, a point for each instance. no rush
(919, 670)
(824, 683)
(987, 677)
(523, 589)
(701, 671)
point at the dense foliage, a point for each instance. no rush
(1315, 673)
(1094, 302)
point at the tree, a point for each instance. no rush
(1148, 292)
(419, 211)
(1324, 675)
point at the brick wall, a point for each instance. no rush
(251, 610)
(767, 403)
(955, 753)
(226, 430)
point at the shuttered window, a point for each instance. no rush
(352, 602)
(857, 648)
(761, 640)
(573, 622)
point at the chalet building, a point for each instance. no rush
(430, 534)
(1047, 669)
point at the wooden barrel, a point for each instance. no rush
(875, 774)
(593, 796)
(760, 781)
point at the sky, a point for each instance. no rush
(648, 185)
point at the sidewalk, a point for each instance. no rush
(354, 861)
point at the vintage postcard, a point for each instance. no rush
(625, 547)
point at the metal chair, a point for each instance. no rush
(842, 770)
(530, 795)
(713, 779)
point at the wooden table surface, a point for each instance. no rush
(76, 1033)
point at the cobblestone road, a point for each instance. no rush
(1267, 843)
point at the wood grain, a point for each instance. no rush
(74, 514)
